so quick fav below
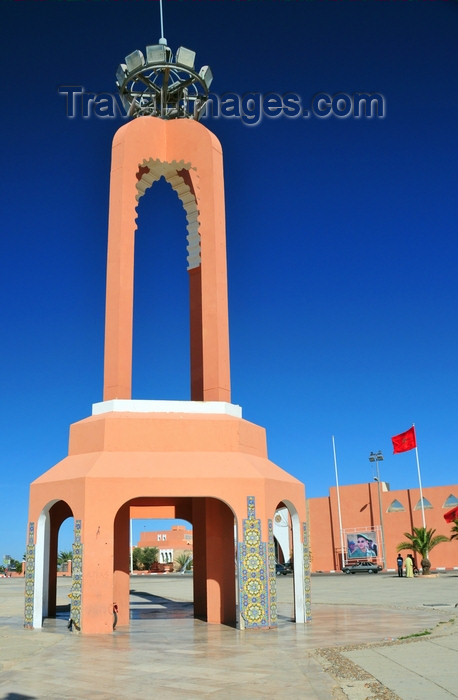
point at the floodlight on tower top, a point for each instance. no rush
(160, 84)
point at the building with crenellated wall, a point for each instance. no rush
(360, 512)
(170, 543)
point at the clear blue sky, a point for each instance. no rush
(341, 234)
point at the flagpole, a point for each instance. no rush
(419, 480)
(338, 500)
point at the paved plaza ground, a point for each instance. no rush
(351, 648)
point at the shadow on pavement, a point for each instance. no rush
(157, 608)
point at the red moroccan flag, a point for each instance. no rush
(404, 441)
(451, 515)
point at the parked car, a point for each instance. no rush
(362, 567)
(282, 570)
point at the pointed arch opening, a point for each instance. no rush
(426, 504)
(395, 507)
(451, 501)
(161, 323)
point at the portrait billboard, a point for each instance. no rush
(362, 544)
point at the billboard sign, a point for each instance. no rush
(362, 544)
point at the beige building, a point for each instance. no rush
(170, 543)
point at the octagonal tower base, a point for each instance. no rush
(199, 461)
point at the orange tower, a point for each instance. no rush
(198, 460)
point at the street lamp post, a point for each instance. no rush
(378, 457)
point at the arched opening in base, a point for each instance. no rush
(213, 577)
(292, 556)
(46, 563)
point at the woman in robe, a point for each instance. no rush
(409, 566)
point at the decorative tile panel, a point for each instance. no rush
(272, 576)
(307, 577)
(253, 573)
(77, 576)
(29, 577)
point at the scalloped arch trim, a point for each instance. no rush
(151, 170)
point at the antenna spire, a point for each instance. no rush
(162, 40)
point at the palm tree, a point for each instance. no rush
(184, 561)
(454, 536)
(63, 557)
(422, 541)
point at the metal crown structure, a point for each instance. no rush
(163, 85)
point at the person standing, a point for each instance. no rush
(409, 566)
(400, 562)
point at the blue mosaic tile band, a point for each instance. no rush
(307, 577)
(251, 507)
(272, 576)
(77, 531)
(253, 572)
(77, 577)
(29, 577)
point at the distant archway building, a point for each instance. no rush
(196, 460)
(170, 543)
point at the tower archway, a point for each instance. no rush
(194, 170)
(161, 324)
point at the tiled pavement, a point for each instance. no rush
(165, 653)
